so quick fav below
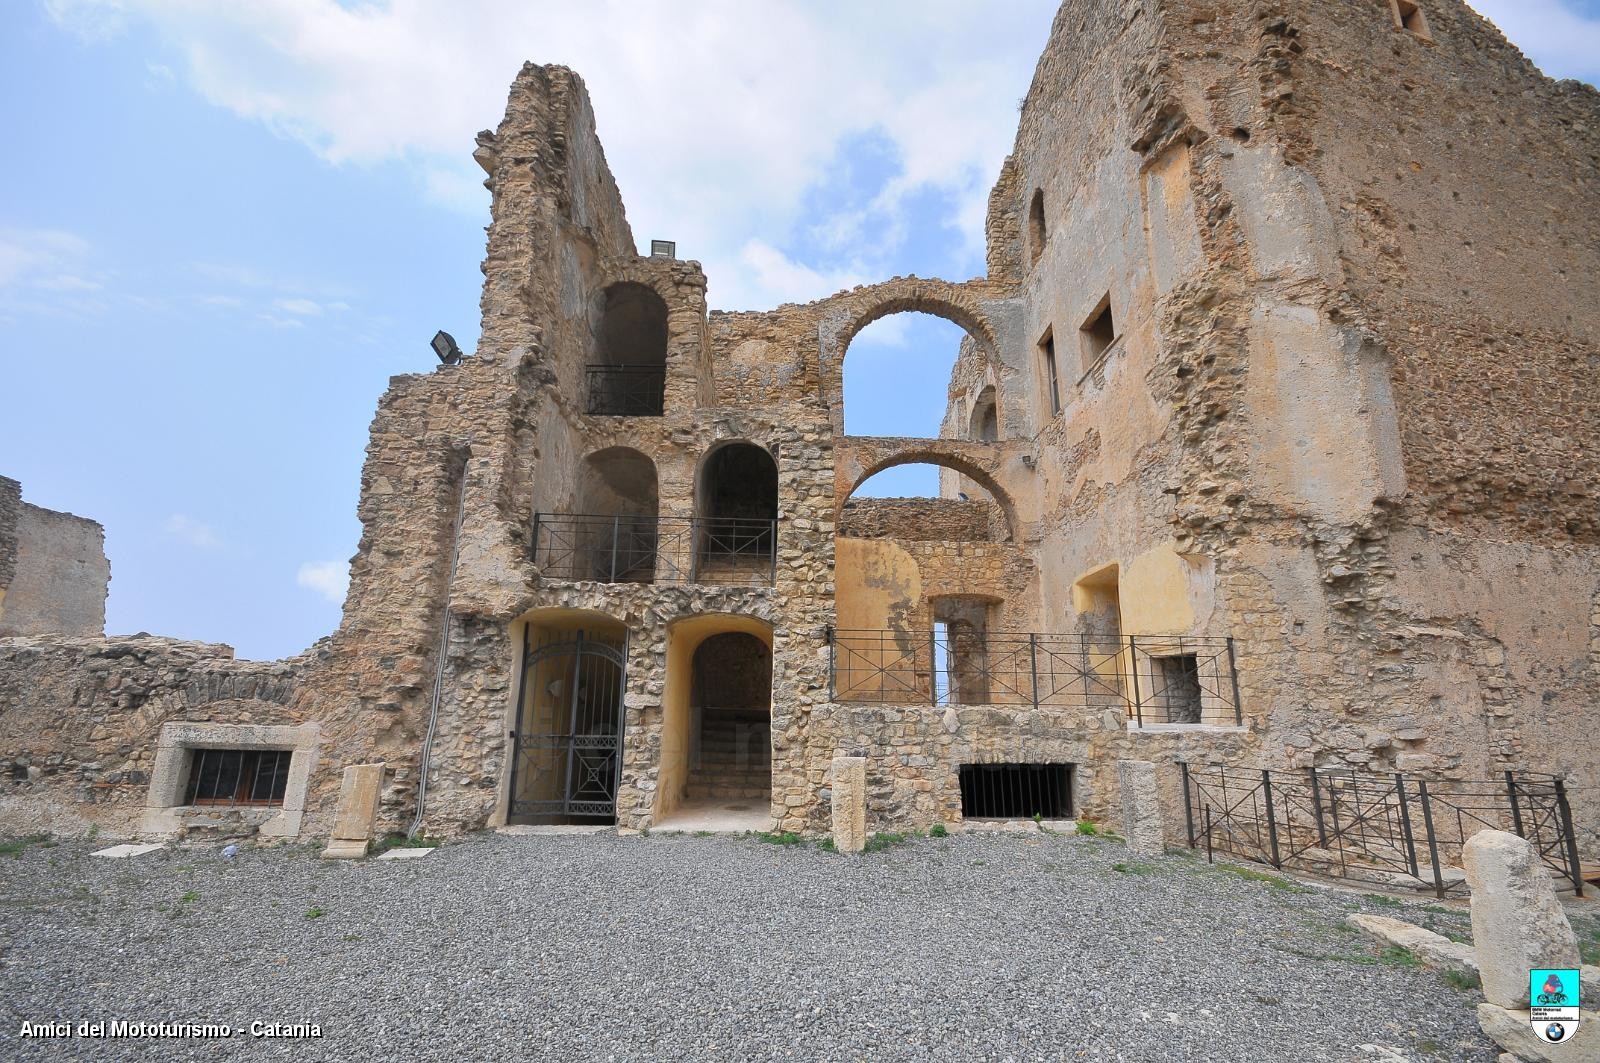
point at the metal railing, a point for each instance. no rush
(625, 390)
(730, 551)
(1155, 679)
(1388, 829)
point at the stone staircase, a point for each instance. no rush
(735, 761)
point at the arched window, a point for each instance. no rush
(985, 426)
(1037, 230)
(737, 503)
(613, 536)
(627, 375)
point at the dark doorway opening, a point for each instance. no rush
(731, 695)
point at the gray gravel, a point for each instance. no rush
(1002, 947)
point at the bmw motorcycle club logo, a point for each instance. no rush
(1553, 998)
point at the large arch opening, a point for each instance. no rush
(567, 720)
(627, 374)
(736, 501)
(716, 756)
(613, 535)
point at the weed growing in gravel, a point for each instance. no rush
(351, 937)
(938, 830)
(315, 913)
(888, 840)
(1380, 900)
(189, 897)
(787, 837)
(1133, 869)
(702, 834)
(827, 846)
(1087, 828)
(1462, 980)
(15, 846)
(1399, 956)
(1277, 882)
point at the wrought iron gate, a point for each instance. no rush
(568, 739)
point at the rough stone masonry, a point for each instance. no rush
(1276, 420)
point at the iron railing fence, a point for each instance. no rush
(1155, 679)
(1382, 828)
(625, 390)
(726, 551)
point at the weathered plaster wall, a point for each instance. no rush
(53, 569)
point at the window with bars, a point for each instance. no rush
(238, 777)
(1016, 791)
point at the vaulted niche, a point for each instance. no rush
(737, 501)
(627, 375)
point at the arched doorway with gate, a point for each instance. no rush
(567, 730)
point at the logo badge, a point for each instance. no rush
(1553, 998)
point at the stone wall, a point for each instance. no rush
(921, 519)
(53, 569)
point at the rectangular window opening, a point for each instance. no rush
(1098, 334)
(1016, 791)
(238, 777)
(1047, 348)
(1408, 16)
(1179, 675)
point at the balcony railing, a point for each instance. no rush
(727, 551)
(1154, 679)
(625, 390)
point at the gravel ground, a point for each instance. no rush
(976, 947)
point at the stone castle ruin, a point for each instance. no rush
(1274, 441)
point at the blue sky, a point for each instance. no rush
(224, 226)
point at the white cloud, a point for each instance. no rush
(1564, 42)
(40, 257)
(300, 307)
(193, 532)
(328, 578)
(717, 117)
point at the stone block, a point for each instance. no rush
(1142, 824)
(1434, 950)
(850, 804)
(358, 808)
(1517, 922)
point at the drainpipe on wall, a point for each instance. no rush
(444, 646)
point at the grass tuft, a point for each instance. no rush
(1380, 900)
(938, 830)
(888, 840)
(15, 846)
(787, 837)
(1462, 980)
(1087, 828)
(1250, 874)
(315, 913)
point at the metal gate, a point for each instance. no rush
(567, 744)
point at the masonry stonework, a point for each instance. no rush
(1272, 442)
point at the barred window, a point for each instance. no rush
(238, 777)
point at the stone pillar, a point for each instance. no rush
(1517, 927)
(1517, 922)
(358, 808)
(1141, 808)
(850, 804)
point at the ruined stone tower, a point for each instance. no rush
(1273, 443)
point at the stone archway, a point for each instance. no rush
(846, 315)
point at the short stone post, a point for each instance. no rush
(850, 804)
(1142, 823)
(358, 808)
(1517, 927)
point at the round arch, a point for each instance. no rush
(853, 312)
(971, 470)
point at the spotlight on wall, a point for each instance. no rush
(444, 345)
(663, 249)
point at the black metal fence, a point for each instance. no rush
(1385, 829)
(715, 550)
(625, 390)
(1155, 679)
